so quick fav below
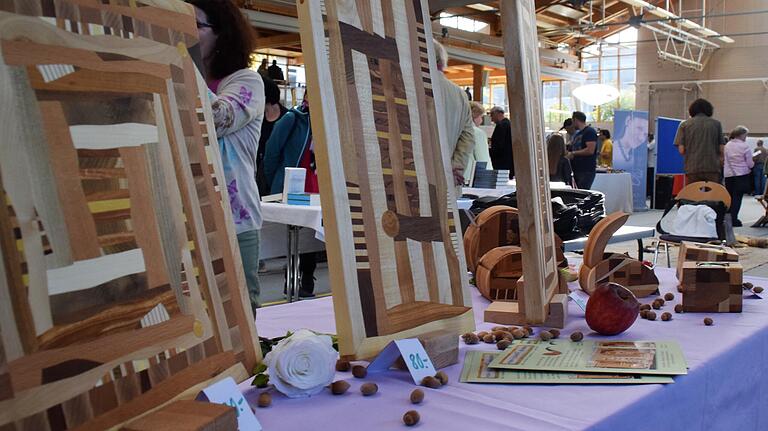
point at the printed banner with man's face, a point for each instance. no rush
(630, 151)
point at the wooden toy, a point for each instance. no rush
(494, 227)
(187, 415)
(594, 250)
(122, 287)
(507, 313)
(713, 287)
(533, 195)
(698, 252)
(626, 271)
(396, 258)
(498, 273)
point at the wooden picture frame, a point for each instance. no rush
(109, 180)
(389, 211)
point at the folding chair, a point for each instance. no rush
(701, 191)
(763, 200)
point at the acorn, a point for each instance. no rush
(545, 335)
(645, 307)
(708, 321)
(369, 388)
(482, 334)
(472, 339)
(417, 396)
(411, 418)
(651, 315)
(577, 336)
(661, 301)
(518, 334)
(757, 289)
(489, 338)
(747, 285)
(666, 316)
(656, 305)
(669, 296)
(442, 377)
(644, 314)
(503, 344)
(555, 332)
(431, 382)
(359, 371)
(500, 335)
(339, 387)
(528, 330)
(343, 365)
(678, 308)
(498, 328)
(265, 400)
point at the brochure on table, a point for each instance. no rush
(589, 356)
(476, 370)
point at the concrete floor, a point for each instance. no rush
(754, 260)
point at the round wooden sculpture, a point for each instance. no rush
(495, 226)
(600, 235)
(623, 270)
(584, 270)
(498, 272)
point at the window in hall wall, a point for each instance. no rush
(464, 23)
(499, 95)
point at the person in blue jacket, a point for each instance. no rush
(290, 146)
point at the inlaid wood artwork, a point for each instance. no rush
(121, 287)
(389, 210)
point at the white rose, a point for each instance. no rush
(302, 364)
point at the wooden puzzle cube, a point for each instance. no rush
(498, 272)
(698, 252)
(713, 287)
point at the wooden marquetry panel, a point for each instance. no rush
(396, 258)
(521, 56)
(119, 257)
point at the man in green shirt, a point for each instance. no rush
(700, 141)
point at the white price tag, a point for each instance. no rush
(226, 392)
(415, 357)
(580, 297)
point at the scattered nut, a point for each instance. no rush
(411, 418)
(339, 387)
(545, 335)
(343, 365)
(498, 328)
(651, 315)
(645, 307)
(528, 330)
(747, 285)
(442, 377)
(661, 301)
(431, 382)
(555, 332)
(512, 328)
(656, 305)
(577, 336)
(669, 296)
(503, 344)
(265, 400)
(502, 335)
(518, 334)
(359, 371)
(417, 396)
(666, 316)
(482, 334)
(678, 308)
(757, 289)
(489, 338)
(369, 388)
(708, 321)
(472, 339)
(644, 314)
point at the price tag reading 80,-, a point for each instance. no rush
(415, 358)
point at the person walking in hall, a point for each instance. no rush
(699, 140)
(583, 154)
(237, 101)
(737, 170)
(569, 132)
(480, 152)
(460, 134)
(275, 73)
(263, 69)
(760, 157)
(501, 142)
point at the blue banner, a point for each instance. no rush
(630, 151)
(669, 160)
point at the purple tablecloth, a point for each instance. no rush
(726, 388)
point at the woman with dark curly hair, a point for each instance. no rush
(237, 99)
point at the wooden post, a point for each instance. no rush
(533, 197)
(477, 83)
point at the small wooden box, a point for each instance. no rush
(698, 252)
(187, 415)
(713, 287)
